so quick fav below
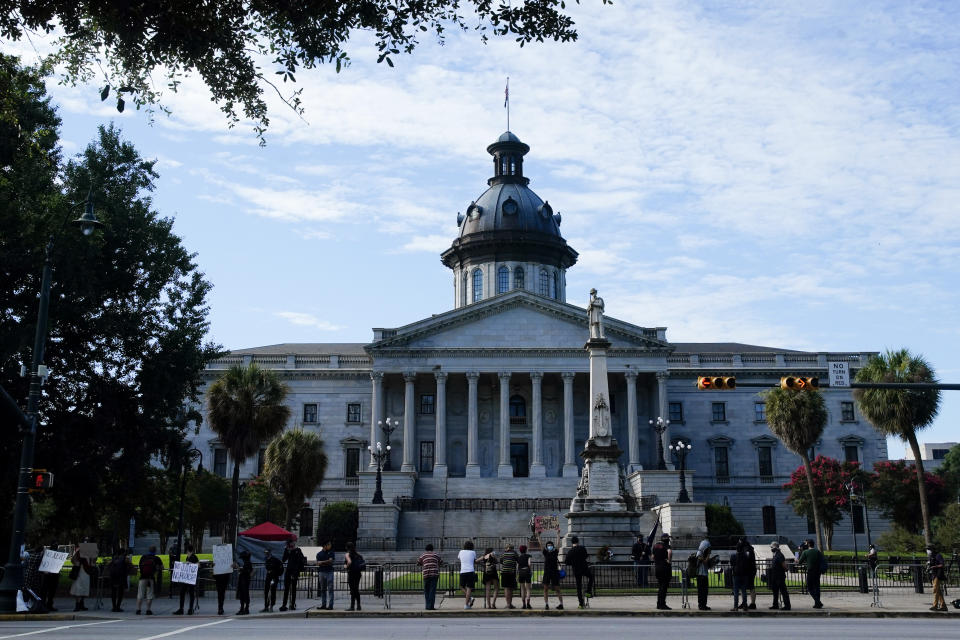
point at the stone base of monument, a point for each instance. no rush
(686, 522)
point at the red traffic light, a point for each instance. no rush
(40, 480)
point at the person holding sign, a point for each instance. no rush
(51, 574)
(223, 566)
(80, 574)
(551, 572)
(186, 586)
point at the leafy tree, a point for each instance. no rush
(338, 523)
(228, 42)
(830, 478)
(207, 502)
(722, 522)
(947, 529)
(128, 313)
(160, 509)
(949, 472)
(259, 502)
(899, 540)
(798, 418)
(901, 412)
(893, 489)
(246, 409)
(295, 465)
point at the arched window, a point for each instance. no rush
(477, 285)
(513, 165)
(503, 280)
(463, 290)
(518, 410)
(556, 286)
(518, 278)
(544, 283)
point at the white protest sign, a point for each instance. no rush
(222, 559)
(52, 561)
(839, 374)
(89, 550)
(185, 572)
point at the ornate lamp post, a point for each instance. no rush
(379, 455)
(13, 571)
(660, 426)
(680, 449)
(852, 489)
(188, 454)
(388, 428)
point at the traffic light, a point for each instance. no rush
(717, 383)
(799, 383)
(40, 480)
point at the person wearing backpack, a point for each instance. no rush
(150, 567)
(704, 563)
(815, 563)
(295, 561)
(491, 579)
(354, 564)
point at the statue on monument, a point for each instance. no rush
(595, 315)
(601, 416)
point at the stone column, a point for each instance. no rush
(473, 440)
(662, 377)
(376, 394)
(569, 462)
(632, 430)
(537, 470)
(409, 422)
(440, 443)
(504, 469)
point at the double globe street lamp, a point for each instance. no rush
(378, 455)
(680, 449)
(660, 426)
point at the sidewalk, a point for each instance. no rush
(846, 604)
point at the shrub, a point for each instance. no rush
(338, 522)
(721, 522)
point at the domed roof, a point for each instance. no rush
(509, 206)
(507, 136)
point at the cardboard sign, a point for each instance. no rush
(52, 561)
(546, 523)
(222, 559)
(89, 550)
(185, 572)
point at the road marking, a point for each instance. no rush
(69, 626)
(185, 629)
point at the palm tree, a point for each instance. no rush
(245, 408)
(901, 412)
(295, 464)
(798, 418)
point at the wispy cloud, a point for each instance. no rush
(307, 320)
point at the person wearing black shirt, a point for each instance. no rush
(325, 559)
(577, 559)
(641, 560)
(551, 573)
(274, 569)
(295, 560)
(662, 558)
(778, 578)
(243, 582)
(188, 588)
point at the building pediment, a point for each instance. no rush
(516, 320)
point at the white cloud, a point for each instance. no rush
(307, 320)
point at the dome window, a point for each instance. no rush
(477, 285)
(503, 280)
(545, 210)
(544, 283)
(510, 207)
(518, 278)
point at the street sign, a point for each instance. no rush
(839, 374)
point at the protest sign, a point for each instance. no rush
(89, 550)
(52, 561)
(222, 559)
(185, 572)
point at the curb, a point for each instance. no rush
(622, 613)
(46, 617)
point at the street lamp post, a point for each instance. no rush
(681, 449)
(851, 487)
(13, 571)
(379, 455)
(388, 428)
(660, 426)
(190, 453)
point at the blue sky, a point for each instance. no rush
(783, 174)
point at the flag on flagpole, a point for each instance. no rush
(506, 94)
(653, 532)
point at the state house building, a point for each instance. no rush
(491, 397)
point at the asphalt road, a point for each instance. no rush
(481, 629)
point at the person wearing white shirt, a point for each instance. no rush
(468, 574)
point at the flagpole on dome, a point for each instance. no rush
(506, 101)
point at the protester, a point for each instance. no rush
(222, 581)
(577, 559)
(937, 575)
(186, 588)
(508, 574)
(273, 569)
(813, 560)
(743, 564)
(295, 560)
(640, 554)
(243, 582)
(491, 581)
(704, 564)
(118, 571)
(354, 564)
(430, 562)
(468, 575)
(80, 575)
(150, 567)
(524, 577)
(551, 573)
(777, 578)
(663, 569)
(49, 584)
(872, 558)
(325, 560)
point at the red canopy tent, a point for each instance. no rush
(269, 532)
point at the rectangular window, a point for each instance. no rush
(353, 412)
(220, 462)
(352, 463)
(851, 453)
(675, 411)
(309, 413)
(426, 456)
(306, 521)
(427, 404)
(261, 460)
(760, 411)
(770, 520)
(858, 519)
(765, 458)
(719, 412)
(846, 412)
(939, 454)
(721, 460)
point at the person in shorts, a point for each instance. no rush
(508, 574)
(524, 577)
(551, 573)
(468, 574)
(150, 567)
(491, 579)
